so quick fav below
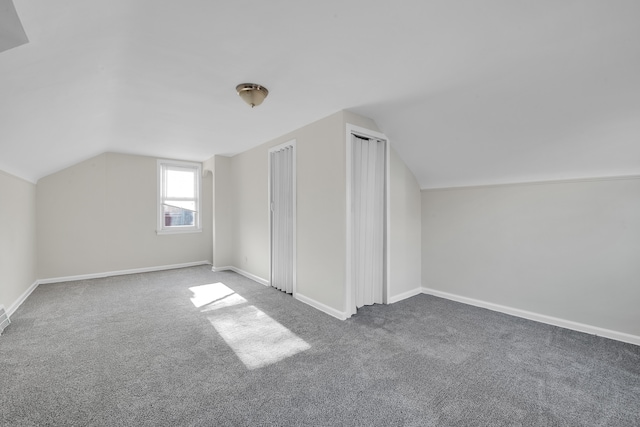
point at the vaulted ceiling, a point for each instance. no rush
(468, 92)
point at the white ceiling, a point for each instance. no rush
(469, 92)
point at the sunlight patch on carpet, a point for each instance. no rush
(257, 339)
(214, 296)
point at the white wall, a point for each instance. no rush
(321, 198)
(321, 209)
(405, 243)
(71, 219)
(250, 222)
(100, 216)
(223, 220)
(321, 213)
(17, 239)
(568, 250)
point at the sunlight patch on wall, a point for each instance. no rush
(256, 338)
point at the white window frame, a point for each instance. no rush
(179, 229)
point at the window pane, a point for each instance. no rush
(176, 216)
(184, 204)
(180, 183)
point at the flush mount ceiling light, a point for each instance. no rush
(251, 93)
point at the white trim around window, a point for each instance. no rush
(179, 211)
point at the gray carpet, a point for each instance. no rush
(135, 350)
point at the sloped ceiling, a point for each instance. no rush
(11, 32)
(469, 92)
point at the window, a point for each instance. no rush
(178, 197)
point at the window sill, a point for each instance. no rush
(185, 231)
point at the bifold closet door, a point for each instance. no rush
(368, 220)
(282, 185)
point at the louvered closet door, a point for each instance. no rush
(282, 190)
(368, 220)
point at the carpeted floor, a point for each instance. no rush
(191, 347)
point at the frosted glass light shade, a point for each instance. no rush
(253, 94)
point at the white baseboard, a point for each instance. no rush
(242, 273)
(567, 324)
(120, 272)
(322, 307)
(309, 301)
(17, 303)
(404, 295)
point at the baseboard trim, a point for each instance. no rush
(309, 301)
(22, 298)
(242, 273)
(121, 272)
(320, 306)
(542, 318)
(404, 295)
